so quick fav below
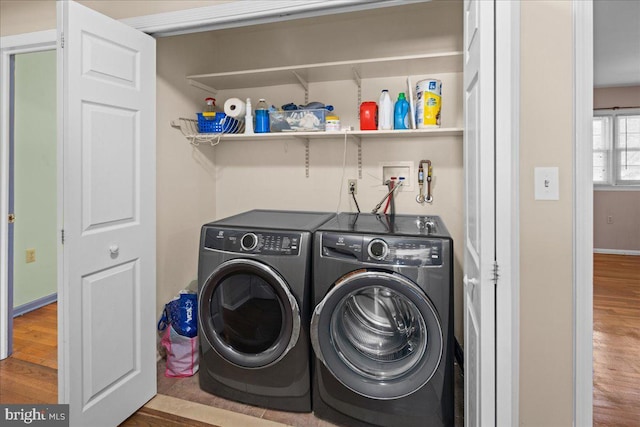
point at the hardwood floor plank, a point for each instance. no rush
(25, 382)
(147, 417)
(616, 340)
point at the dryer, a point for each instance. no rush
(382, 327)
(254, 307)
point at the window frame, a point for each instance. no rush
(613, 174)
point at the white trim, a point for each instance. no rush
(243, 13)
(616, 188)
(11, 45)
(630, 252)
(507, 212)
(583, 213)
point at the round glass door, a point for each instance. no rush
(248, 315)
(378, 334)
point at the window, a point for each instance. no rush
(616, 148)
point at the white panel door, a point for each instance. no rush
(107, 339)
(479, 217)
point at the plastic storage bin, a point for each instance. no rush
(297, 120)
(220, 123)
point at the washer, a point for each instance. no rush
(382, 327)
(254, 287)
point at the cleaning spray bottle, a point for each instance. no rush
(248, 118)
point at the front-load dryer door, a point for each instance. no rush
(248, 314)
(378, 334)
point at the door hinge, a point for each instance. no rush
(62, 236)
(12, 218)
(495, 273)
(62, 40)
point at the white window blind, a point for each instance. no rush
(616, 148)
(628, 149)
(601, 150)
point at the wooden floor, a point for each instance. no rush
(616, 340)
(30, 374)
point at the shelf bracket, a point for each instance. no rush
(306, 157)
(358, 80)
(305, 141)
(305, 86)
(202, 86)
(358, 141)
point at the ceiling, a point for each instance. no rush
(616, 47)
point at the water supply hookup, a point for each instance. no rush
(392, 188)
(421, 197)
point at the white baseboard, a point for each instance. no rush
(616, 251)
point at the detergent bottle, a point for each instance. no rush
(385, 111)
(400, 113)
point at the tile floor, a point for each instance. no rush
(187, 389)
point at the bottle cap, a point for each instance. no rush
(401, 95)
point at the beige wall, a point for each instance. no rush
(621, 97)
(623, 233)
(546, 226)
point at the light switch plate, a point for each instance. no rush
(547, 186)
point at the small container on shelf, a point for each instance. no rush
(368, 116)
(332, 123)
(311, 120)
(209, 108)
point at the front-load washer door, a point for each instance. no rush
(248, 314)
(378, 334)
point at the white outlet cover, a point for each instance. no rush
(546, 185)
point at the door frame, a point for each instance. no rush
(507, 351)
(9, 46)
(507, 211)
(583, 213)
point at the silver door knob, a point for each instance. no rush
(470, 282)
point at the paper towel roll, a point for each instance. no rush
(234, 107)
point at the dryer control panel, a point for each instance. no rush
(253, 241)
(387, 250)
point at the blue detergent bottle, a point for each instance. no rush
(400, 113)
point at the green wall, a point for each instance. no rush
(35, 176)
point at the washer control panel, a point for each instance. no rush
(253, 241)
(388, 250)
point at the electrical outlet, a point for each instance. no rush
(31, 255)
(352, 187)
(610, 219)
